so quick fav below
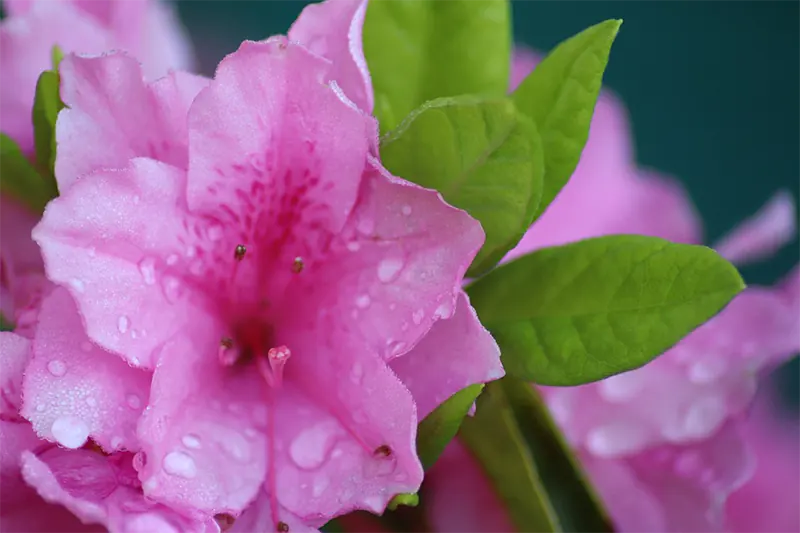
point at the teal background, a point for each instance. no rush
(712, 87)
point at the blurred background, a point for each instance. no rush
(712, 88)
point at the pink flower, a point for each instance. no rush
(70, 390)
(299, 307)
(146, 28)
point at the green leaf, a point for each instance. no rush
(424, 49)
(582, 312)
(19, 179)
(560, 95)
(482, 156)
(574, 501)
(46, 105)
(495, 440)
(438, 428)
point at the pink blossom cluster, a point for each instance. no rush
(228, 319)
(667, 444)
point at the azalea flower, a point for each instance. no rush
(299, 308)
(147, 29)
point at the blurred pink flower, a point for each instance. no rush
(147, 29)
(246, 247)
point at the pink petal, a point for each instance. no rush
(397, 266)
(99, 489)
(280, 146)
(459, 497)
(456, 353)
(203, 431)
(113, 116)
(332, 29)
(259, 517)
(74, 390)
(16, 353)
(762, 234)
(357, 434)
(24, 54)
(99, 239)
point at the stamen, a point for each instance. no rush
(240, 252)
(227, 355)
(271, 366)
(297, 265)
(282, 527)
(383, 451)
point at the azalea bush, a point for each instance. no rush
(381, 273)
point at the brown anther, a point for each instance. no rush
(225, 521)
(241, 249)
(283, 527)
(226, 343)
(383, 451)
(297, 265)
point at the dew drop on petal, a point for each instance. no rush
(172, 259)
(614, 440)
(320, 484)
(92, 251)
(191, 441)
(179, 464)
(70, 432)
(77, 284)
(40, 408)
(147, 268)
(353, 246)
(357, 373)
(116, 442)
(417, 317)
(133, 401)
(388, 269)
(445, 309)
(363, 301)
(90, 401)
(406, 210)
(57, 367)
(172, 289)
(122, 323)
(312, 445)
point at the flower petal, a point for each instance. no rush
(762, 234)
(333, 29)
(456, 353)
(203, 431)
(259, 517)
(395, 269)
(16, 353)
(113, 116)
(99, 239)
(74, 390)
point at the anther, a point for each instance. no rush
(241, 250)
(297, 265)
(225, 521)
(271, 366)
(282, 527)
(227, 355)
(383, 451)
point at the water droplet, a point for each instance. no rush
(133, 401)
(320, 484)
(366, 225)
(172, 289)
(374, 503)
(310, 448)
(406, 210)
(388, 269)
(179, 464)
(122, 323)
(214, 233)
(622, 387)
(70, 432)
(396, 348)
(704, 417)
(616, 439)
(92, 251)
(77, 284)
(90, 401)
(236, 447)
(116, 442)
(353, 246)
(191, 251)
(57, 367)
(191, 441)
(147, 267)
(363, 301)
(688, 463)
(357, 373)
(707, 370)
(172, 259)
(40, 408)
(418, 315)
(445, 309)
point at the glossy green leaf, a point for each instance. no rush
(495, 440)
(424, 49)
(46, 105)
(560, 95)
(574, 502)
(438, 428)
(20, 179)
(482, 156)
(584, 311)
